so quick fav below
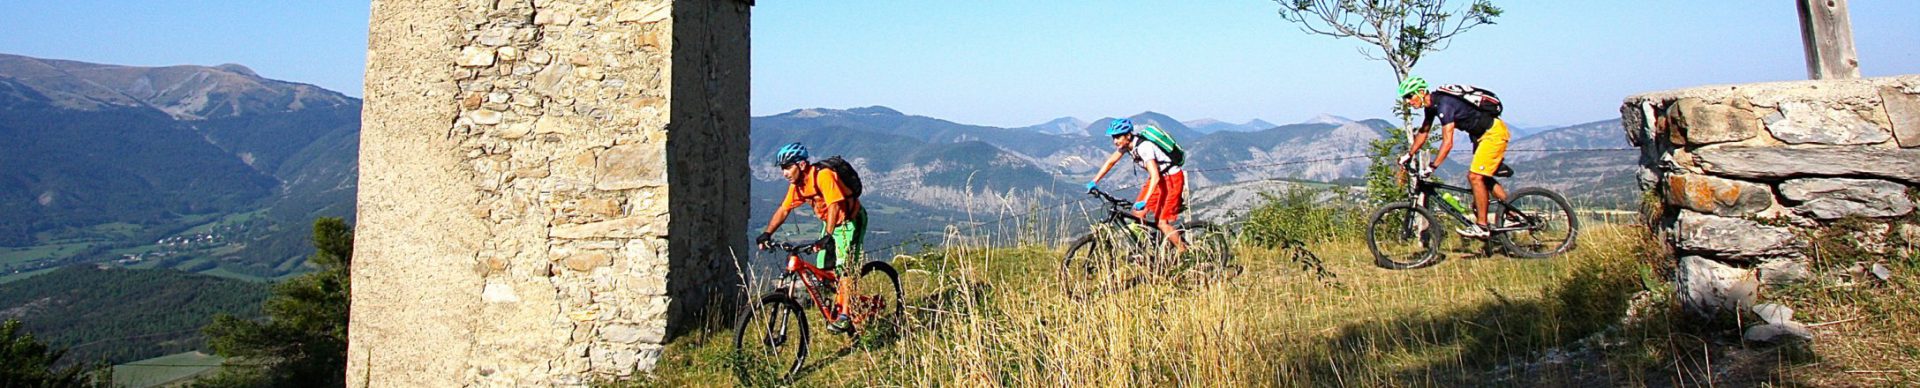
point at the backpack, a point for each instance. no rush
(848, 176)
(1161, 138)
(1481, 99)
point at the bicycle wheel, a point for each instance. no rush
(768, 335)
(1210, 246)
(1402, 236)
(1550, 226)
(1088, 266)
(881, 302)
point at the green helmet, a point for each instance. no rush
(1413, 84)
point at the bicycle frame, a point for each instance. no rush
(1424, 190)
(1120, 215)
(806, 273)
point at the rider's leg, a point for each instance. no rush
(1167, 208)
(1479, 198)
(849, 239)
(1173, 235)
(1488, 152)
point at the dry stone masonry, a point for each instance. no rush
(549, 189)
(1745, 173)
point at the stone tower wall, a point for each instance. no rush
(549, 189)
(1746, 173)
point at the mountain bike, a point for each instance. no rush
(1099, 261)
(1532, 223)
(774, 328)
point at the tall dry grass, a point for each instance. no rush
(984, 316)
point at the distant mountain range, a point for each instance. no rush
(938, 169)
(105, 160)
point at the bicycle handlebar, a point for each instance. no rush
(1096, 193)
(797, 249)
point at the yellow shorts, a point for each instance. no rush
(1491, 150)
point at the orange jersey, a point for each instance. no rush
(819, 190)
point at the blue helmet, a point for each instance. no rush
(790, 154)
(1120, 127)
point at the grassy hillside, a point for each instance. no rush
(122, 315)
(996, 317)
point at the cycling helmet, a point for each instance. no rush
(1413, 84)
(1119, 127)
(790, 154)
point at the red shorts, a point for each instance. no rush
(1168, 198)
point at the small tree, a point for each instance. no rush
(304, 339)
(25, 362)
(1403, 31)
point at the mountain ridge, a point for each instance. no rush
(167, 150)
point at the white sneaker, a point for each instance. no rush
(1472, 231)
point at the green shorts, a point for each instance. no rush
(848, 239)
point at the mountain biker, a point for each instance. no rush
(845, 220)
(1487, 132)
(1166, 182)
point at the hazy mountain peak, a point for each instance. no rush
(185, 92)
(1203, 122)
(1325, 118)
(238, 69)
(1257, 124)
(875, 110)
(1064, 126)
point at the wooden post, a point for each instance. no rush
(1827, 35)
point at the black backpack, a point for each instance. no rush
(1481, 99)
(848, 176)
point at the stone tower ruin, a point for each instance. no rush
(549, 189)
(1743, 176)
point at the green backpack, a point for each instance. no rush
(1161, 138)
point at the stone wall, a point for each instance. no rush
(549, 189)
(1745, 174)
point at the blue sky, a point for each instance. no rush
(1015, 63)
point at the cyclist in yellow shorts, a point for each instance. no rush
(1487, 131)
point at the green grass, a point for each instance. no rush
(165, 369)
(223, 272)
(996, 317)
(4, 279)
(22, 255)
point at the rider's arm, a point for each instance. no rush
(1446, 145)
(1420, 135)
(1153, 179)
(835, 205)
(786, 207)
(1111, 160)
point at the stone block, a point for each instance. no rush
(486, 116)
(630, 166)
(600, 207)
(620, 333)
(1718, 196)
(1903, 110)
(629, 227)
(1831, 124)
(498, 293)
(644, 13)
(1731, 238)
(1836, 198)
(614, 360)
(1708, 287)
(1707, 123)
(1781, 272)
(1812, 161)
(473, 56)
(1636, 117)
(587, 261)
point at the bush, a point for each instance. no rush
(1303, 215)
